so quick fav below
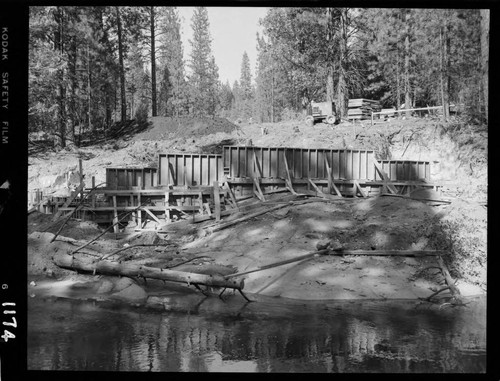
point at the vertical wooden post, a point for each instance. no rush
(81, 170)
(372, 117)
(185, 177)
(139, 211)
(167, 183)
(116, 229)
(216, 200)
(329, 172)
(167, 206)
(93, 196)
(200, 195)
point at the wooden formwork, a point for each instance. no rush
(189, 169)
(130, 177)
(301, 163)
(194, 184)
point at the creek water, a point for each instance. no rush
(266, 336)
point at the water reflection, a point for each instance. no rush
(377, 337)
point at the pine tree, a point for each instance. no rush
(171, 61)
(204, 72)
(245, 96)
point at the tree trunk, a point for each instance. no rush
(153, 64)
(89, 90)
(71, 115)
(398, 84)
(485, 42)
(407, 62)
(61, 92)
(342, 65)
(272, 92)
(444, 72)
(133, 270)
(122, 68)
(330, 87)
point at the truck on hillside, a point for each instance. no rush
(321, 112)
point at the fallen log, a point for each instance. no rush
(403, 253)
(280, 263)
(130, 270)
(408, 253)
(417, 199)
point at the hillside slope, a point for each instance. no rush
(458, 156)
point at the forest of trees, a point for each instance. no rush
(92, 66)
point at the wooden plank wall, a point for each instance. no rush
(239, 162)
(189, 169)
(405, 170)
(303, 163)
(126, 178)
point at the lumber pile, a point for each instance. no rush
(362, 108)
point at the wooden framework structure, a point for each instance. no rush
(200, 185)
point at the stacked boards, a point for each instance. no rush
(362, 108)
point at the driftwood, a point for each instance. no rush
(131, 270)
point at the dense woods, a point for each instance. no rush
(93, 66)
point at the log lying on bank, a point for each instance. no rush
(130, 270)
(342, 252)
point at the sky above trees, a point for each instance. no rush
(233, 31)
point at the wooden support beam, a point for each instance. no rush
(331, 184)
(234, 222)
(258, 193)
(167, 209)
(358, 187)
(231, 194)
(329, 172)
(257, 164)
(116, 228)
(318, 191)
(151, 214)
(290, 187)
(288, 179)
(200, 199)
(68, 201)
(93, 194)
(217, 200)
(80, 167)
(387, 180)
(207, 208)
(418, 199)
(287, 169)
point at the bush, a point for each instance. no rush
(462, 232)
(141, 115)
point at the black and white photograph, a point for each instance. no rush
(249, 189)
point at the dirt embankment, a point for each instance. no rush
(380, 223)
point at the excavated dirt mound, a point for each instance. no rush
(185, 127)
